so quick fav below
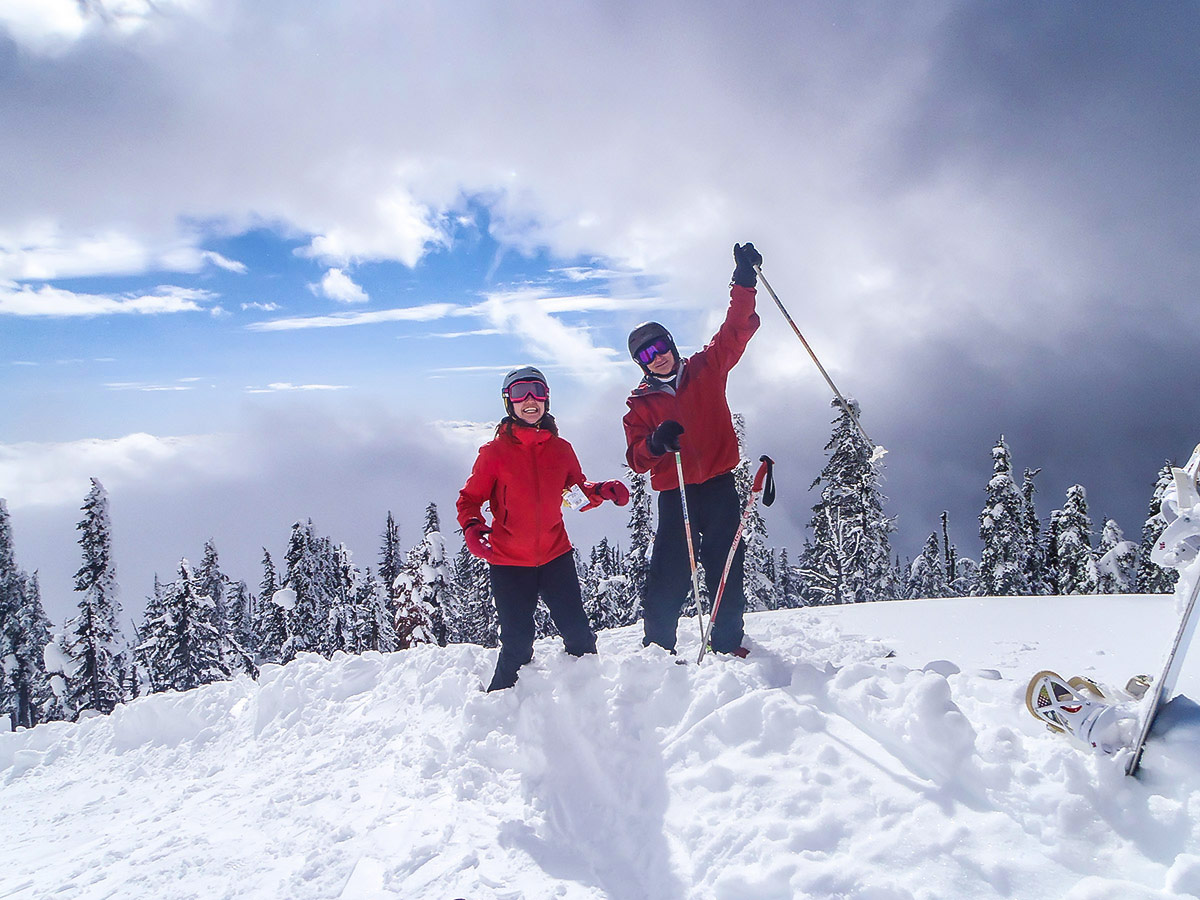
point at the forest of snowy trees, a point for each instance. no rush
(202, 625)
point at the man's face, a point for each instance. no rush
(663, 364)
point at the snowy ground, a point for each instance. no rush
(817, 768)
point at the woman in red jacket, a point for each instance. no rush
(523, 474)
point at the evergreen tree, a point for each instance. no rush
(391, 559)
(270, 628)
(211, 583)
(474, 620)
(241, 605)
(789, 592)
(950, 551)
(342, 625)
(1151, 577)
(1117, 561)
(1051, 554)
(966, 578)
(641, 541)
(1077, 573)
(849, 559)
(33, 698)
(759, 585)
(373, 617)
(11, 600)
(1003, 528)
(425, 581)
(1036, 568)
(92, 636)
(311, 577)
(607, 597)
(927, 577)
(181, 647)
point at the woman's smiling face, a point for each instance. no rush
(530, 410)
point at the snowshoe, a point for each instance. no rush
(1074, 708)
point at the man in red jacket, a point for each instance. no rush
(680, 405)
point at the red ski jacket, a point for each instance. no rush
(522, 475)
(708, 445)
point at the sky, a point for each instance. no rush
(261, 263)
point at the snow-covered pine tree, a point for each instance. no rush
(310, 574)
(181, 646)
(93, 639)
(758, 581)
(10, 601)
(426, 578)
(241, 612)
(1003, 528)
(1117, 561)
(849, 559)
(35, 700)
(211, 583)
(641, 541)
(788, 589)
(606, 596)
(1077, 573)
(391, 559)
(270, 620)
(25, 692)
(966, 577)
(341, 624)
(1151, 577)
(373, 617)
(1051, 554)
(143, 647)
(927, 576)
(474, 620)
(1036, 567)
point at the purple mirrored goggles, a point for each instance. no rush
(656, 347)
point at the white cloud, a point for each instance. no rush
(42, 251)
(426, 313)
(52, 26)
(144, 386)
(52, 302)
(529, 316)
(263, 307)
(337, 285)
(229, 265)
(284, 386)
(36, 474)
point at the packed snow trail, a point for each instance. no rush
(817, 768)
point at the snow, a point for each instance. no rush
(819, 767)
(284, 598)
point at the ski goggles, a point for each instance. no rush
(520, 390)
(656, 347)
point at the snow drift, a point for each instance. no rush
(820, 767)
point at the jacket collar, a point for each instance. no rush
(528, 434)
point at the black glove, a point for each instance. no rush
(665, 438)
(745, 258)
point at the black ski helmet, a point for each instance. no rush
(643, 335)
(525, 373)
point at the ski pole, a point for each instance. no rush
(763, 479)
(687, 529)
(878, 452)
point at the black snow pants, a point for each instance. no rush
(516, 590)
(714, 510)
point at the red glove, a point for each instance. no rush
(475, 535)
(599, 491)
(614, 491)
